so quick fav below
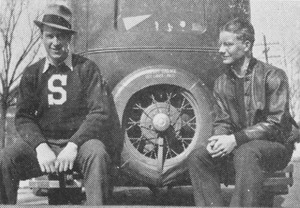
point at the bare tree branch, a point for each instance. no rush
(11, 31)
(15, 55)
(13, 14)
(32, 42)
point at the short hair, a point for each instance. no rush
(242, 27)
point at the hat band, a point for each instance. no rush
(55, 19)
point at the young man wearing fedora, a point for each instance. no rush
(63, 116)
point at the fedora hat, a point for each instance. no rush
(57, 16)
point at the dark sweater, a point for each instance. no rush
(61, 105)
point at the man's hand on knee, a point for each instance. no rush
(65, 159)
(221, 145)
(46, 158)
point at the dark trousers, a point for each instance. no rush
(249, 162)
(19, 162)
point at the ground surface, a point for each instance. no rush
(177, 196)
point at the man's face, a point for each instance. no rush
(231, 48)
(56, 43)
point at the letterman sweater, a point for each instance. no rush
(61, 105)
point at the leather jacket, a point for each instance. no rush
(266, 104)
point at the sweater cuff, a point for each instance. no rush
(241, 138)
(77, 140)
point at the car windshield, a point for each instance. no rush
(163, 15)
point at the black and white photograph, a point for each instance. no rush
(181, 103)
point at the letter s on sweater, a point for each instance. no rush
(57, 89)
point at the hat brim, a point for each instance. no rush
(40, 25)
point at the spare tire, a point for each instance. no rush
(165, 113)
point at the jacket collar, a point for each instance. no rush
(67, 61)
(252, 63)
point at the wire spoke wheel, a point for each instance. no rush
(165, 114)
(160, 122)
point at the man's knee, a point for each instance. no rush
(93, 149)
(247, 154)
(7, 156)
(197, 156)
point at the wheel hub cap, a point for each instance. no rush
(161, 122)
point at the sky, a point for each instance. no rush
(279, 21)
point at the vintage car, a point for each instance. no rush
(160, 59)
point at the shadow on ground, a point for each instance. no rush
(179, 196)
(176, 196)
